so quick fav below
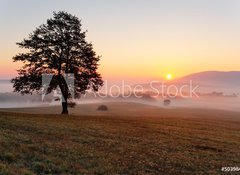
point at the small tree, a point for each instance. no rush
(58, 48)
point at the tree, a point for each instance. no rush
(58, 48)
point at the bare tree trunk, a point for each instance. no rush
(64, 107)
(64, 89)
(64, 99)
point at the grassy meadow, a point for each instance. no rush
(127, 139)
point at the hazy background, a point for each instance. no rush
(139, 40)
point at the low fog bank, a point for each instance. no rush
(209, 97)
(16, 100)
(209, 101)
(221, 103)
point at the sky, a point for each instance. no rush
(138, 40)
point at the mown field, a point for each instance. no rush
(166, 141)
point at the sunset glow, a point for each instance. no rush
(159, 37)
(169, 76)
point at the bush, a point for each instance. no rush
(166, 102)
(102, 108)
(71, 104)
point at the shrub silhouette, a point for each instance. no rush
(166, 102)
(71, 104)
(102, 108)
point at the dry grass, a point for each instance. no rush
(181, 141)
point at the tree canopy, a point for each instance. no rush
(58, 47)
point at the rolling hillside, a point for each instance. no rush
(212, 79)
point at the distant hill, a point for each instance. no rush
(207, 82)
(212, 78)
(5, 81)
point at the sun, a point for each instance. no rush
(169, 76)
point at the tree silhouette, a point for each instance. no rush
(58, 47)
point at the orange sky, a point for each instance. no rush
(147, 41)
